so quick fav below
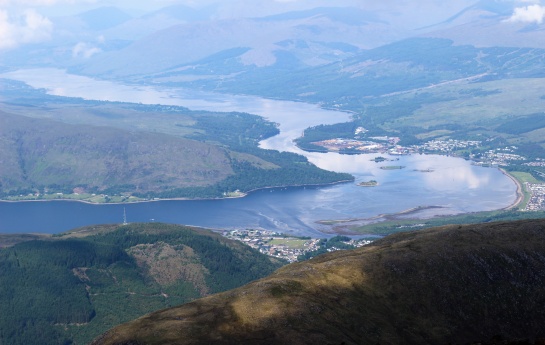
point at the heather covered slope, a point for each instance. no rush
(455, 284)
(42, 153)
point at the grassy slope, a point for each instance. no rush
(404, 65)
(455, 284)
(43, 152)
(473, 107)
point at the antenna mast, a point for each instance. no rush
(124, 216)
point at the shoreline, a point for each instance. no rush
(317, 105)
(386, 216)
(243, 195)
(519, 192)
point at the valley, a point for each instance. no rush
(294, 216)
(357, 172)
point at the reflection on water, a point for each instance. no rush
(426, 180)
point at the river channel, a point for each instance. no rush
(427, 180)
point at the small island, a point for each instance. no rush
(371, 183)
(392, 167)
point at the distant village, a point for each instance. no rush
(283, 246)
(385, 144)
(537, 198)
(494, 157)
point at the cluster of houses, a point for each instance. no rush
(280, 245)
(273, 243)
(500, 157)
(340, 144)
(538, 163)
(537, 200)
(446, 146)
(390, 145)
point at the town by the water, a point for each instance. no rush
(290, 248)
(468, 149)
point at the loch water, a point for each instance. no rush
(452, 183)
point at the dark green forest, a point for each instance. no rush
(68, 289)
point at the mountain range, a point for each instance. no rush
(312, 37)
(102, 41)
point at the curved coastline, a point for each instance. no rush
(291, 146)
(243, 194)
(520, 193)
(387, 216)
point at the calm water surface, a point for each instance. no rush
(452, 183)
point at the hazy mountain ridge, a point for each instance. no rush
(104, 18)
(401, 66)
(477, 24)
(346, 15)
(70, 287)
(181, 35)
(489, 24)
(261, 35)
(455, 284)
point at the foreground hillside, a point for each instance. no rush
(455, 284)
(69, 288)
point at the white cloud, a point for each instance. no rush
(31, 3)
(529, 14)
(29, 27)
(84, 50)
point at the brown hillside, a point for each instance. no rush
(41, 152)
(455, 284)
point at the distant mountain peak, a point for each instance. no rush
(184, 13)
(345, 15)
(104, 18)
(491, 8)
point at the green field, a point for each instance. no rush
(290, 243)
(522, 178)
(502, 99)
